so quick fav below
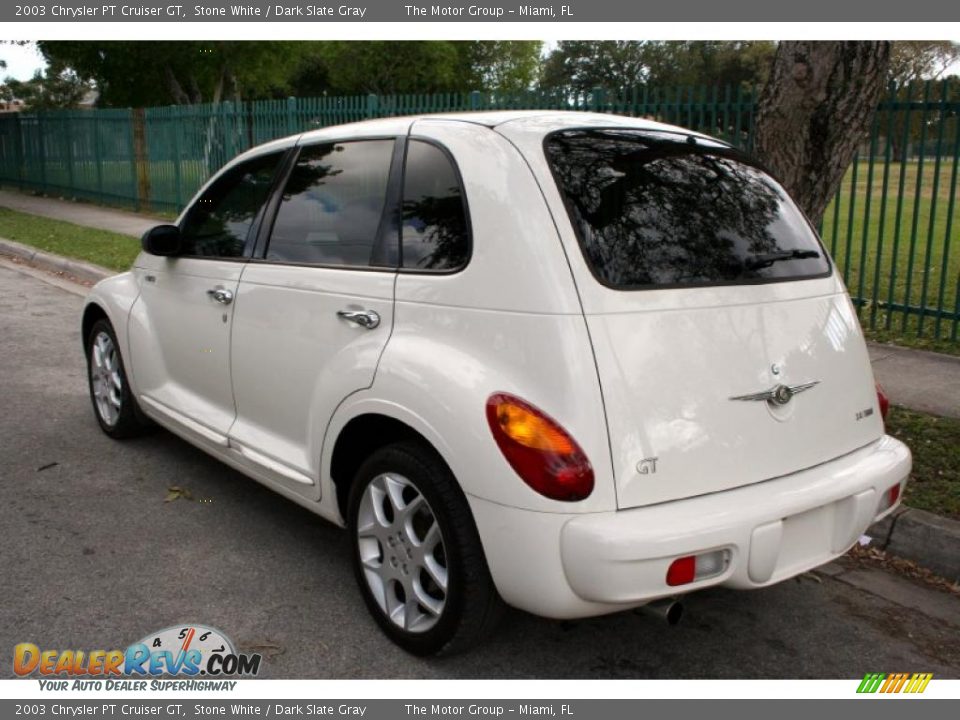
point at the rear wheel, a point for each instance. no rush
(417, 555)
(113, 404)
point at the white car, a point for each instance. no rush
(572, 362)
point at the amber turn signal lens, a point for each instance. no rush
(540, 451)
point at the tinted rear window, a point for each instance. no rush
(658, 209)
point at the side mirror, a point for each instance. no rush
(162, 240)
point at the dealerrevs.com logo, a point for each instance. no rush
(181, 651)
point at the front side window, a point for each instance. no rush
(219, 223)
(666, 209)
(332, 205)
(434, 220)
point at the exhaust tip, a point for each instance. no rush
(674, 613)
(668, 610)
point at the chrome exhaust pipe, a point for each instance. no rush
(668, 609)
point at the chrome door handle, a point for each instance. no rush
(221, 295)
(368, 319)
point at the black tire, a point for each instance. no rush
(130, 420)
(471, 605)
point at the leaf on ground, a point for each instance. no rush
(265, 648)
(175, 492)
(906, 568)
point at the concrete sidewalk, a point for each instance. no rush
(925, 381)
(94, 216)
(920, 380)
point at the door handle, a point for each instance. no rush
(221, 295)
(368, 319)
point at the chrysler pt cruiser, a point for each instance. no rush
(568, 362)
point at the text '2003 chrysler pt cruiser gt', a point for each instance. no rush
(575, 363)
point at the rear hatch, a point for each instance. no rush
(727, 351)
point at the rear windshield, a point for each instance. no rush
(665, 209)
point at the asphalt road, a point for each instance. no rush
(91, 557)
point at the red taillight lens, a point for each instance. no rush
(893, 494)
(682, 571)
(883, 401)
(540, 451)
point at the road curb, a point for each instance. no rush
(929, 540)
(55, 263)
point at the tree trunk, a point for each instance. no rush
(814, 111)
(176, 90)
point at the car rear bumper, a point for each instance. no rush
(770, 531)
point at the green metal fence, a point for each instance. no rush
(891, 228)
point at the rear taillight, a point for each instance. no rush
(883, 401)
(540, 451)
(890, 498)
(690, 568)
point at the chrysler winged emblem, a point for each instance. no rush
(778, 394)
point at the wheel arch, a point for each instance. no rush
(91, 314)
(367, 429)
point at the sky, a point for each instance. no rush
(24, 60)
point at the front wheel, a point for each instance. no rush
(113, 404)
(417, 555)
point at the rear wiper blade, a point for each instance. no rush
(768, 259)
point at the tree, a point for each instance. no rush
(52, 89)
(911, 62)
(581, 65)
(394, 67)
(383, 67)
(500, 65)
(815, 110)
(177, 72)
(578, 66)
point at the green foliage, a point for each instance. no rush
(47, 90)
(581, 65)
(389, 67)
(141, 74)
(912, 60)
(500, 65)
(190, 72)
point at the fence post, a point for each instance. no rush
(141, 170)
(475, 100)
(596, 99)
(18, 145)
(43, 154)
(177, 179)
(372, 105)
(68, 141)
(98, 155)
(291, 115)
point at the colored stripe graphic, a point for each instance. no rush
(894, 683)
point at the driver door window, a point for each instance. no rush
(221, 221)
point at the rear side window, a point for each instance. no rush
(661, 209)
(219, 223)
(332, 205)
(434, 218)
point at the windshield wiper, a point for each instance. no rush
(766, 260)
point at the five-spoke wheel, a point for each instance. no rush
(417, 555)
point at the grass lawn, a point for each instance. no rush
(904, 249)
(935, 441)
(97, 246)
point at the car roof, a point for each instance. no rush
(542, 121)
(533, 122)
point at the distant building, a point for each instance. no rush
(15, 105)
